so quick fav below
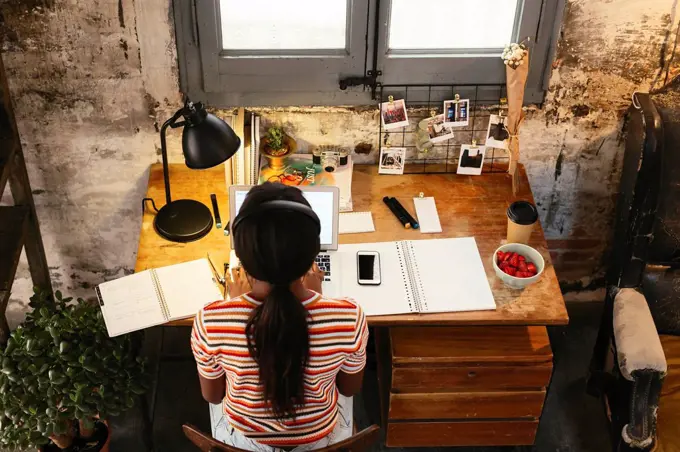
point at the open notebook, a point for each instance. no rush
(419, 276)
(153, 297)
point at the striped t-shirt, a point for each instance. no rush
(337, 342)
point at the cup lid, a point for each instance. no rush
(522, 212)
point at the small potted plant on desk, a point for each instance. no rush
(276, 146)
(62, 376)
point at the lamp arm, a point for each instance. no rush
(164, 153)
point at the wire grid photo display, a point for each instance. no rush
(442, 156)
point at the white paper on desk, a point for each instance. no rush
(452, 276)
(428, 218)
(356, 222)
(187, 287)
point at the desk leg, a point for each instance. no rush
(384, 365)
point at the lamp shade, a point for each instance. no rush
(207, 141)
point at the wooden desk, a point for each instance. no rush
(497, 359)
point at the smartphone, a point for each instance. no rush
(368, 268)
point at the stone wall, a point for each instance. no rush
(92, 81)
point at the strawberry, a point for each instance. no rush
(514, 260)
(522, 258)
(532, 268)
(499, 256)
(507, 256)
(522, 266)
(521, 274)
(511, 271)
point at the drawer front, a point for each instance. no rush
(467, 405)
(469, 378)
(485, 433)
(474, 345)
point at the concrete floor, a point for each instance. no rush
(572, 421)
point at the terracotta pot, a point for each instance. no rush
(98, 443)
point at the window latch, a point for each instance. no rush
(370, 80)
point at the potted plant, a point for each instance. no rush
(62, 376)
(276, 146)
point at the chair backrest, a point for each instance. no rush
(358, 442)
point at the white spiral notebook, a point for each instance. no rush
(156, 296)
(419, 276)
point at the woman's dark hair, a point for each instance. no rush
(278, 246)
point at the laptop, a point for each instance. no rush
(325, 201)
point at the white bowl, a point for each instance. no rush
(530, 254)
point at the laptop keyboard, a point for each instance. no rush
(324, 263)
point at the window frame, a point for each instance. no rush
(200, 56)
(271, 77)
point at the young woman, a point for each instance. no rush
(283, 360)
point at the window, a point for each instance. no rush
(295, 52)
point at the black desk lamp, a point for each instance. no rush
(207, 141)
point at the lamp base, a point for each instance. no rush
(184, 220)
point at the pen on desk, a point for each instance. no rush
(404, 212)
(400, 216)
(216, 210)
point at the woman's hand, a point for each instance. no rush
(237, 282)
(313, 279)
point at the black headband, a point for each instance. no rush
(278, 204)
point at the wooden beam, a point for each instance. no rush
(15, 167)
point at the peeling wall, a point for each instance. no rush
(92, 81)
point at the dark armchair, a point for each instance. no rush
(636, 362)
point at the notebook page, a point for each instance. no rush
(130, 304)
(391, 296)
(452, 275)
(187, 287)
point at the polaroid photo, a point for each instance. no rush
(392, 160)
(437, 130)
(471, 160)
(497, 134)
(393, 114)
(457, 113)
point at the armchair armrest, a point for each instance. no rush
(641, 360)
(638, 345)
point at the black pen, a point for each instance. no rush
(404, 212)
(397, 213)
(216, 210)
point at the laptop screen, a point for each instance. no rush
(322, 204)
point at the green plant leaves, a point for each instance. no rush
(59, 365)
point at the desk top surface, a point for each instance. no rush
(467, 205)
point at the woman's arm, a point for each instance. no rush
(349, 384)
(212, 389)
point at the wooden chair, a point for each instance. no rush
(357, 443)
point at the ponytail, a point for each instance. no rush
(278, 340)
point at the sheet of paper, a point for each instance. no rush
(428, 218)
(391, 296)
(187, 287)
(130, 304)
(452, 275)
(356, 222)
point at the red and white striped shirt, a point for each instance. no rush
(337, 342)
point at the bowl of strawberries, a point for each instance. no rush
(518, 265)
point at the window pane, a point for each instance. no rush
(290, 24)
(447, 24)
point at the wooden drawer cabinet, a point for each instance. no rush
(462, 386)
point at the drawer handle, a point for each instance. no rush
(472, 374)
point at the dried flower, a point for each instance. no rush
(514, 54)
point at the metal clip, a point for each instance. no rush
(421, 195)
(390, 99)
(433, 113)
(456, 98)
